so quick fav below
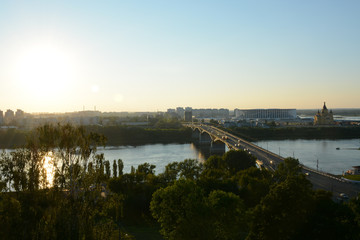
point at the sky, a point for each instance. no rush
(63, 56)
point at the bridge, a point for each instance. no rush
(217, 139)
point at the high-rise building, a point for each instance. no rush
(9, 116)
(19, 113)
(1, 117)
(188, 116)
(180, 111)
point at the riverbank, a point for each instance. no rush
(292, 133)
(116, 136)
(352, 177)
(135, 136)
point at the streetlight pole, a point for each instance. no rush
(317, 164)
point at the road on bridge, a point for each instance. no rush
(270, 160)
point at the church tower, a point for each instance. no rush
(324, 117)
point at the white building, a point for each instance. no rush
(265, 113)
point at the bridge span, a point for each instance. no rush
(217, 138)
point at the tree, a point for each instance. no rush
(254, 184)
(214, 168)
(171, 172)
(214, 122)
(180, 210)
(290, 167)
(190, 169)
(120, 166)
(114, 169)
(72, 148)
(10, 217)
(15, 166)
(283, 211)
(238, 160)
(329, 220)
(226, 211)
(107, 169)
(144, 170)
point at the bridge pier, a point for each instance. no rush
(195, 134)
(217, 147)
(207, 142)
(205, 139)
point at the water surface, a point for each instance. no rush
(324, 151)
(158, 154)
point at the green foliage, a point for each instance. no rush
(187, 169)
(107, 169)
(169, 132)
(289, 168)
(282, 211)
(254, 185)
(115, 169)
(74, 207)
(20, 170)
(11, 138)
(10, 217)
(352, 177)
(214, 122)
(120, 166)
(329, 220)
(168, 123)
(229, 164)
(124, 135)
(190, 169)
(186, 212)
(238, 160)
(224, 198)
(146, 169)
(171, 173)
(226, 214)
(180, 210)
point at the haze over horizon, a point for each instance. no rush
(152, 55)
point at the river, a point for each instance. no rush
(158, 154)
(309, 153)
(323, 152)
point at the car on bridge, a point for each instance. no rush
(344, 196)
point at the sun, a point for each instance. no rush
(44, 70)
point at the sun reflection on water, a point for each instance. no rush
(49, 168)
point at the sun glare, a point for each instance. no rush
(49, 169)
(44, 71)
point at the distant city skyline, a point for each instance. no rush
(134, 56)
(169, 110)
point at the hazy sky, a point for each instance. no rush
(147, 55)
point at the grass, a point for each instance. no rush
(353, 177)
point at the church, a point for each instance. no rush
(325, 117)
